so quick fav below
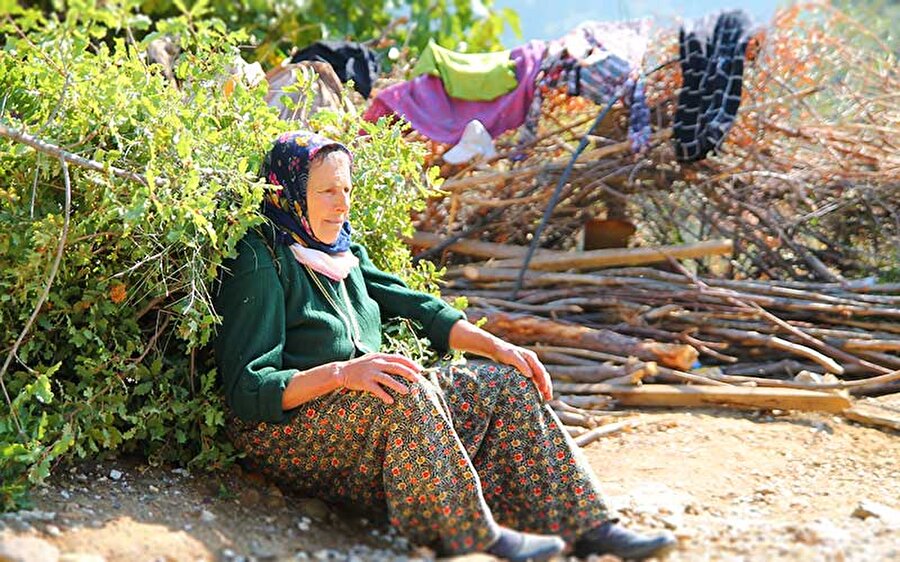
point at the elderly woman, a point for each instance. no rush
(459, 458)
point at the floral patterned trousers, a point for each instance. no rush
(471, 447)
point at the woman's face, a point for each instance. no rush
(328, 195)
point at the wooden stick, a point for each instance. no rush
(755, 338)
(872, 416)
(521, 329)
(575, 431)
(621, 256)
(588, 402)
(475, 247)
(592, 435)
(637, 370)
(699, 396)
(511, 305)
(663, 373)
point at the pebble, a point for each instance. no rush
(36, 515)
(207, 516)
(115, 474)
(330, 554)
(19, 526)
(314, 508)
(274, 498)
(250, 497)
(53, 530)
(259, 552)
(153, 489)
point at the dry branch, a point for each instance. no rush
(525, 330)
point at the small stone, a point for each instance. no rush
(19, 526)
(274, 498)
(692, 509)
(115, 474)
(27, 549)
(207, 516)
(671, 522)
(250, 497)
(53, 530)
(36, 515)
(259, 552)
(153, 489)
(314, 508)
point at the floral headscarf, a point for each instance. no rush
(287, 166)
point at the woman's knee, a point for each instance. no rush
(423, 397)
(514, 383)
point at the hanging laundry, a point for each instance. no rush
(351, 61)
(476, 76)
(431, 111)
(598, 61)
(475, 141)
(712, 54)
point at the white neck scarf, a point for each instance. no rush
(336, 267)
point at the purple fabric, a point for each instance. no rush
(430, 111)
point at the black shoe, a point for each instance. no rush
(525, 547)
(610, 538)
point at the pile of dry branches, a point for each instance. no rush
(806, 185)
(773, 345)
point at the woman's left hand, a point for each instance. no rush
(527, 362)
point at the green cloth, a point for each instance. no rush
(275, 321)
(475, 77)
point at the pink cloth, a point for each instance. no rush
(336, 267)
(426, 105)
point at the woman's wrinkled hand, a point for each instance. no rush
(373, 373)
(527, 362)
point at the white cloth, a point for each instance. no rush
(475, 141)
(336, 267)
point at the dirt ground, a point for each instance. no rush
(731, 485)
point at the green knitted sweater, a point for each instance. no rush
(276, 321)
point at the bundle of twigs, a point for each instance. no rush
(627, 325)
(806, 184)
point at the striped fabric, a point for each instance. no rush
(712, 66)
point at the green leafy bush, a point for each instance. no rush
(277, 26)
(114, 359)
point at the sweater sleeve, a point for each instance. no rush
(396, 299)
(250, 341)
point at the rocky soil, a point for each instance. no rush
(733, 486)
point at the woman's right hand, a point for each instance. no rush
(372, 373)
